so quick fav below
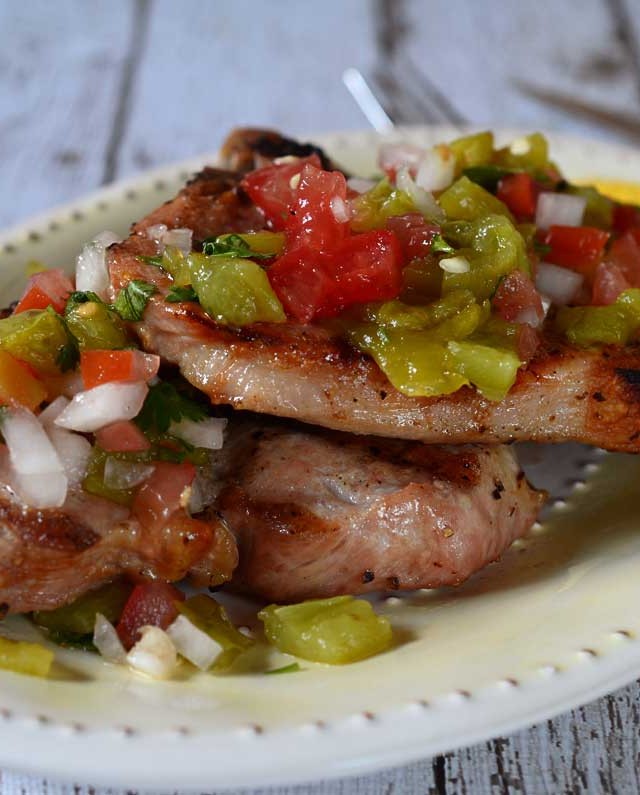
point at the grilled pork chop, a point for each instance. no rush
(317, 514)
(308, 373)
(313, 513)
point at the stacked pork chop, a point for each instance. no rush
(364, 496)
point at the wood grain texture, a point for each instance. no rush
(95, 91)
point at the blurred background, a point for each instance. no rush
(94, 91)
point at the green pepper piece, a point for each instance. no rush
(267, 243)
(177, 265)
(335, 631)
(211, 617)
(96, 326)
(472, 150)
(372, 208)
(421, 280)
(493, 247)
(93, 482)
(36, 337)
(234, 291)
(487, 176)
(491, 370)
(615, 324)
(79, 617)
(25, 658)
(414, 363)
(599, 209)
(397, 314)
(467, 201)
(530, 153)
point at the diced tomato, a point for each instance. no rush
(48, 288)
(625, 255)
(517, 300)
(414, 233)
(313, 221)
(577, 247)
(151, 604)
(527, 342)
(100, 367)
(161, 494)
(122, 437)
(18, 384)
(520, 193)
(311, 284)
(625, 217)
(272, 188)
(609, 282)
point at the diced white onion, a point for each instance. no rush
(207, 433)
(360, 185)
(455, 264)
(437, 169)
(528, 316)
(92, 273)
(107, 238)
(422, 199)
(103, 405)
(73, 450)
(107, 641)
(179, 238)
(340, 209)
(37, 472)
(392, 157)
(125, 474)
(154, 654)
(520, 146)
(561, 285)
(156, 232)
(53, 410)
(193, 644)
(559, 209)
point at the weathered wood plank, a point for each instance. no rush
(61, 66)
(210, 66)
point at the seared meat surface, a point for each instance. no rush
(50, 557)
(317, 514)
(307, 373)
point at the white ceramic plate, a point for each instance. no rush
(552, 625)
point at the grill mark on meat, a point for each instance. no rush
(247, 148)
(52, 530)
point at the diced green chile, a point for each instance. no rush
(234, 291)
(79, 617)
(36, 337)
(467, 201)
(615, 324)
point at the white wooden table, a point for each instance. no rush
(92, 92)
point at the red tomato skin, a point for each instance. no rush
(625, 255)
(625, 217)
(608, 283)
(517, 294)
(150, 604)
(160, 495)
(520, 193)
(312, 221)
(577, 247)
(414, 233)
(48, 288)
(270, 188)
(122, 437)
(103, 366)
(312, 284)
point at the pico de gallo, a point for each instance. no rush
(445, 270)
(83, 408)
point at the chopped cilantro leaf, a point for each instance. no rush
(440, 246)
(157, 260)
(78, 297)
(541, 248)
(163, 405)
(131, 301)
(181, 294)
(231, 246)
